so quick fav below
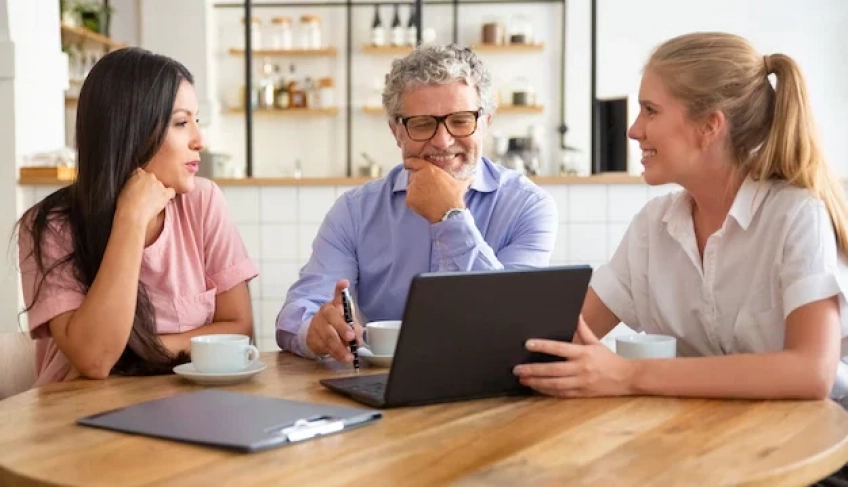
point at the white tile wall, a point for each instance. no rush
(587, 203)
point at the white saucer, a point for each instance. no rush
(188, 371)
(375, 360)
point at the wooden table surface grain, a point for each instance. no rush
(639, 441)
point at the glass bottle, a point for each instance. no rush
(411, 28)
(281, 91)
(326, 93)
(378, 33)
(398, 36)
(266, 86)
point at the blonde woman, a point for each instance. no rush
(745, 266)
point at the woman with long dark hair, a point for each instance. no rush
(121, 268)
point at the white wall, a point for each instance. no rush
(814, 34)
(31, 117)
(183, 30)
(125, 21)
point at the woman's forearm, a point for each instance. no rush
(181, 342)
(98, 331)
(778, 375)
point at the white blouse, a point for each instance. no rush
(775, 252)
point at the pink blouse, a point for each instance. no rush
(198, 255)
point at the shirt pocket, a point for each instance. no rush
(196, 310)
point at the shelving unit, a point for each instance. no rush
(79, 35)
(327, 51)
(290, 112)
(520, 109)
(510, 109)
(513, 48)
(347, 51)
(393, 50)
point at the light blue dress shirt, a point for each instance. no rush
(373, 239)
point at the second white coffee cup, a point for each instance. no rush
(382, 336)
(222, 353)
(646, 346)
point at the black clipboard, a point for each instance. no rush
(231, 420)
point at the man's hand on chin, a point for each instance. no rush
(432, 191)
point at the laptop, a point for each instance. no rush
(463, 333)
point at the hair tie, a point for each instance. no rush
(767, 62)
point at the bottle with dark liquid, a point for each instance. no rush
(378, 33)
(411, 28)
(398, 32)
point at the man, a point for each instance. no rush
(446, 208)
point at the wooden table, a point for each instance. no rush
(503, 441)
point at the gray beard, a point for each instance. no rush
(467, 171)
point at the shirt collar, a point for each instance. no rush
(484, 181)
(748, 200)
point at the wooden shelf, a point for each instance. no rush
(368, 49)
(47, 173)
(294, 112)
(508, 47)
(520, 109)
(80, 35)
(327, 51)
(501, 109)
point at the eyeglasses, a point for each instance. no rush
(421, 128)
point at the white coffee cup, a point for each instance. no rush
(382, 336)
(642, 345)
(222, 353)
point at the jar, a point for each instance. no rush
(520, 30)
(493, 32)
(310, 32)
(326, 93)
(522, 93)
(281, 33)
(255, 33)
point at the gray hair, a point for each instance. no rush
(437, 65)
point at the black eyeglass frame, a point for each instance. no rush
(442, 120)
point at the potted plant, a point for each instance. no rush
(95, 16)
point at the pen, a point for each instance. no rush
(347, 304)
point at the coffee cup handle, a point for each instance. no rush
(252, 354)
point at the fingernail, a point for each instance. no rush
(530, 344)
(349, 358)
(516, 370)
(350, 335)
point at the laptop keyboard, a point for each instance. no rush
(373, 387)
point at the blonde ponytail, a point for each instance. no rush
(771, 130)
(791, 150)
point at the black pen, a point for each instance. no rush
(347, 304)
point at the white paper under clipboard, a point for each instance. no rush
(232, 420)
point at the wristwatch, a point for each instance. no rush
(452, 212)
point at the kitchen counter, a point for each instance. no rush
(609, 178)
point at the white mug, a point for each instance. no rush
(641, 345)
(382, 336)
(222, 353)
